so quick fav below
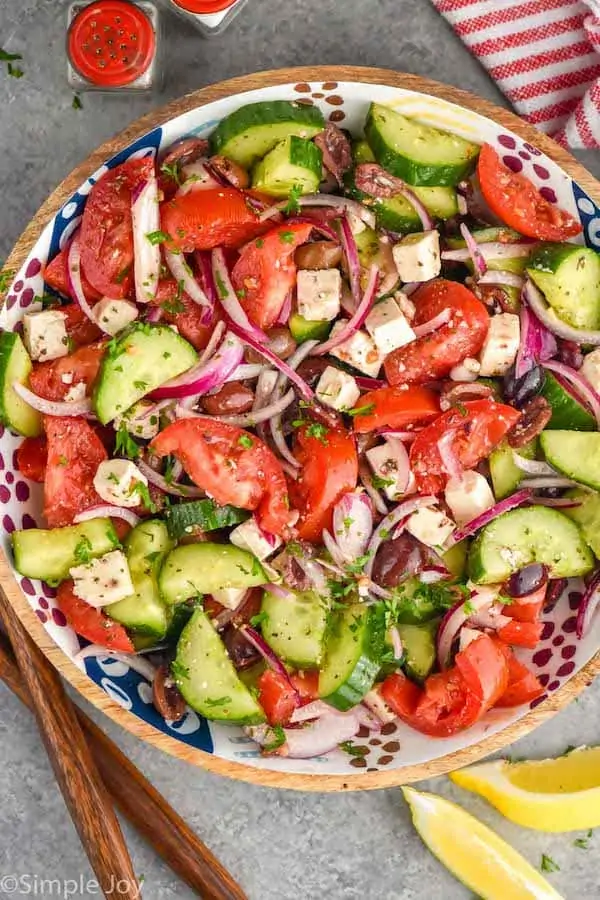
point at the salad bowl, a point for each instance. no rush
(396, 754)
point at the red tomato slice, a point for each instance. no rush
(79, 327)
(514, 199)
(434, 355)
(329, 469)
(277, 697)
(203, 220)
(527, 609)
(266, 272)
(523, 686)
(52, 380)
(106, 234)
(32, 458)
(484, 668)
(90, 623)
(74, 453)
(478, 426)
(307, 684)
(218, 459)
(396, 408)
(56, 277)
(521, 634)
(444, 707)
(185, 314)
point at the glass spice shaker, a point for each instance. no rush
(112, 45)
(210, 17)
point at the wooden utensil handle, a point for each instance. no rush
(142, 804)
(75, 770)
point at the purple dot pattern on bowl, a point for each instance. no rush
(513, 163)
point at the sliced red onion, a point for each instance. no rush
(396, 642)
(369, 384)
(450, 460)
(479, 263)
(469, 388)
(387, 525)
(366, 717)
(490, 617)
(167, 487)
(405, 436)
(432, 575)
(419, 207)
(548, 317)
(247, 371)
(138, 663)
(489, 250)
(248, 420)
(205, 377)
(53, 407)
(410, 287)
(145, 215)
(286, 310)
(309, 711)
(378, 591)
(322, 227)
(314, 572)
(278, 591)
(517, 499)
(229, 299)
(197, 177)
(351, 253)
(353, 524)
(353, 324)
(588, 605)
(334, 551)
(106, 510)
(341, 203)
(366, 479)
(315, 739)
(269, 656)
(532, 466)
(306, 391)
(557, 502)
(542, 482)
(215, 340)
(184, 276)
(456, 617)
(433, 324)
(154, 315)
(74, 280)
(536, 343)
(510, 279)
(585, 392)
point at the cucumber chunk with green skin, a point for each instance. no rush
(303, 330)
(506, 475)
(196, 569)
(144, 611)
(293, 163)
(569, 278)
(418, 642)
(501, 235)
(207, 678)
(414, 604)
(141, 360)
(455, 559)
(294, 627)
(353, 650)
(201, 515)
(567, 412)
(247, 134)
(48, 554)
(587, 516)
(418, 153)
(574, 453)
(15, 365)
(523, 536)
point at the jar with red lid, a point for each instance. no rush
(113, 45)
(209, 16)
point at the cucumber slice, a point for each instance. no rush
(295, 627)
(455, 559)
(587, 516)
(418, 642)
(145, 357)
(293, 163)
(569, 277)
(575, 454)
(201, 515)
(15, 365)
(522, 536)
(419, 154)
(196, 569)
(567, 412)
(49, 554)
(496, 234)
(414, 605)
(506, 475)
(207, 678)
(353, 651)
(144, 611)
(248, 133)
(303, 330)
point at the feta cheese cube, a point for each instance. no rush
(389, 462)
(250, 536)
(501, 344)
(337, 389)
(430, 526)
(375, 702)
(358, 351)
(114, 315)
(417, 256)
(76, 392)
(388, 326)
(467, 636)
(467, 370)
(45, 334)
(468, 495)
(104, 580)
(137, 421)
(117, 480)
(265, 386)
(230, 598)
(591, 369)
(319, 292)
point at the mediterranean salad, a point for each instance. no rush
(316, 417)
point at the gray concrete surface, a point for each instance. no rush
(280, 845)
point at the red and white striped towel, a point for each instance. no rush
(544, 56)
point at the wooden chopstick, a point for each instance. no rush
(140, 802)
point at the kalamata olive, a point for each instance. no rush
(231, 400)
(319, 255)
(494, 297)
(292, 572)
(528, 386)
(166, 697)
(509, 384)
(570, 354)
(535, 415)
(556, 586)
(527, 580)
(241, 652)
(311, 369)
(230, 171)
(280, 342)
(396, 560)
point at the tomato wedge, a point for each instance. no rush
(203, 220)
(106, 234)
(91, 623)
(527, 609)
(329, 469)
(484, 668)
(521, 634)
(74, 453)
(230, 464)
(306, 684)
(80, 328)
(396, 408)
(523, 686)
(478, 426)
(435, 354)
(515, 199)
(180, 310)
(56, 277)
(54, 379)
(277, 697)
(266, 272)
(32, 458)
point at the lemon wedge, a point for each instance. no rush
(473, 852)
(549, 795)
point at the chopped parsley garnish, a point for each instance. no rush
(6, 278)
(259, 619)
(318, 431)
(380, 483)
(245, 440)
(548, 865)
(77, 104)
(469, 607)
(62, 460)
(142, 489)
(278, 739)
(259, 243)
(218, 701)
(178, 670)
(168, 470)
(9, 59)
(365, 410)
(286, 237)
(140, 385)
(172, 171)
(158, 237)
(292, 206)
(122, 275)
(83, 550)
(583, 843)
(222, 290)
(124, 443)
(353, 749)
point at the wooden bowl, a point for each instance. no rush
(323, 85)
